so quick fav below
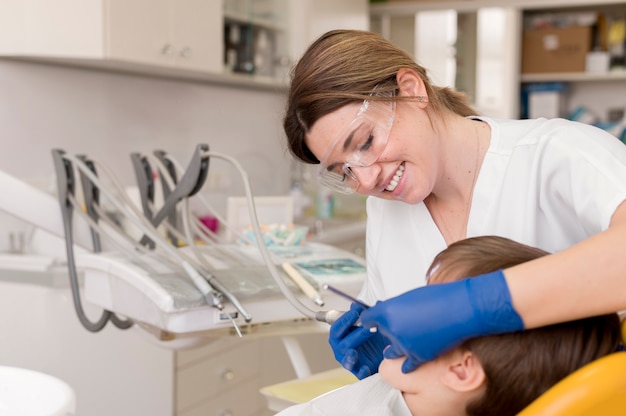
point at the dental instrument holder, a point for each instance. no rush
(190, 183)
(66, 185)
(171, 171)
(193, 167)
(91, 198)
(145, 185)
(199, 274)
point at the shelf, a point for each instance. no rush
(246, 81)
(616, 75)
(403, 8)
(266, 22)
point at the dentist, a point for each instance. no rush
(437, 172)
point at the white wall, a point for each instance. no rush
(109, 115)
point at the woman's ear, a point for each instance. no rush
(411, 84)
(463, 372)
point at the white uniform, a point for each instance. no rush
(368, 397)
(545, 183)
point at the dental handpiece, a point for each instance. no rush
(331, 316)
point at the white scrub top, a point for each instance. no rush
(545, 183)
(371, 396)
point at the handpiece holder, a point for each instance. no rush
(190, 183)
(66, 186)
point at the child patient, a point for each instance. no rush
(493, 375)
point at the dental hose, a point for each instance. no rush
(322, 316)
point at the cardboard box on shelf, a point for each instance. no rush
(555, 49)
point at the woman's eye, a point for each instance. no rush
(368, 144)
(336, 169)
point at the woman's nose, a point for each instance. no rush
(367, 176)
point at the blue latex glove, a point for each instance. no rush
(357, 349)
(425, 322)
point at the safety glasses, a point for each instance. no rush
(359, 145)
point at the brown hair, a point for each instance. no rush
(520, 366)
(343, 67)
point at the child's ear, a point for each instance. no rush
(411, 85)
(463, 372)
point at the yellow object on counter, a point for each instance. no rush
(282, 395)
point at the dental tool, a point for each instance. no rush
(303, 284)
(343, 294)
(331, 316)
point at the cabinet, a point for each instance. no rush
(118, 372)
(169, 33)
(178, 33)
(188, 39)
(485, 62)
(256, 38)
(601, 94)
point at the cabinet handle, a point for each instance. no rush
(228, 375)
(167, 49)
(186, 52)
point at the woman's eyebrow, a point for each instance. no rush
(344, 148)
(348, 141)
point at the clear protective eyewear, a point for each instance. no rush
(360, 145)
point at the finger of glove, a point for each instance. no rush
(343, 325)
(363, 372)
(373, 348)
(392, 352)
(374, 316)
(355, 338)
(350, 360)
(410, 364)
(356, 308)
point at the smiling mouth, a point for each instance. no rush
(396, 178)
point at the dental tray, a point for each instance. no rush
(169, 301)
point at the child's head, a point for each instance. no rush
(499, 374)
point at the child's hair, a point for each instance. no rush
(521, 366)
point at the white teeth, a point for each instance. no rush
(396, 178)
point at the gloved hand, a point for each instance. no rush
(357, 349)
(425, 322)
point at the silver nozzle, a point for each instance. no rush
(328, 316)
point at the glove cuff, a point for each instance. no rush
(491, 300)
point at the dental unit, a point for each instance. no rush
(159, 268)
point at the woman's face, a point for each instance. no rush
(403, 168)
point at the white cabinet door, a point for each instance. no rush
(197, 31)
(171, 33)
(61, 28)
(138, 31)
(179, 33)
